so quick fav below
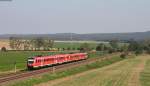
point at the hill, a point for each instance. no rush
(90, 36)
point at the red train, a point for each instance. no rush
(41, 61)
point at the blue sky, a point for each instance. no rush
(77, 16)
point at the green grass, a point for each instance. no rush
(96, 54)
(47, 77)
(7, 59)
(72, 45)
(113, 75)
(145, 75)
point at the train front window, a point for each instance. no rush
(30, 62)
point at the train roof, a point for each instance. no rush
(54, 56)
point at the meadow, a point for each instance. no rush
(7, 59)
(123, 73)
(75, 45)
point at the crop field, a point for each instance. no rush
(66, 73)
(124, 73)
(73, 45)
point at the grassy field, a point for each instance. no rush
(124, 73)
(73, 45)
(5, 43)
(145, 75)
(7, 59)
(47, 77)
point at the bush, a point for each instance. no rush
(85, 47)
(3, 49)
(137, 52)
(123, 55)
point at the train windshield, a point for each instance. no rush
(30, 61)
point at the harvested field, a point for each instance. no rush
(124, 73)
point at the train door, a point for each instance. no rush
(42, 62)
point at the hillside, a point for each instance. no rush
(90, 36)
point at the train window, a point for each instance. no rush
(30, 62)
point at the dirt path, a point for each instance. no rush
(124, 73)
(134, 77)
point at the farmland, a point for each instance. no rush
(124, 73)
(145, 75)
(7, 59)
(20, 57)
(82, 68)
(121, 73)
(76, 45)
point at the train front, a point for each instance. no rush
(30, 63)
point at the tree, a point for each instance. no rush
(114, 45)
(137, 47)
(147, 46)
(124, 48)
(15, 43)
(50, 43)
(68, 48)
(100, 47)
(26, 44)
(3, 49)
(85, 47)
(133, 45)
(12, 42)
(38, 43)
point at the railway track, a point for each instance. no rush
(21, 75)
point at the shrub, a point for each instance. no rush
(3, 49)
(137, 52)
(123, 55)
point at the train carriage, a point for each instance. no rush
(41, 61)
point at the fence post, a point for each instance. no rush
(54, 69)
(15, 67)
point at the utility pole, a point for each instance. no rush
(71, 40)
(15, 67)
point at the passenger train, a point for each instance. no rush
(42, 61)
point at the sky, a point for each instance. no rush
(75, 16)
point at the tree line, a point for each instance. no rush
(30, 44)
(114, 45)
(137, 47)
